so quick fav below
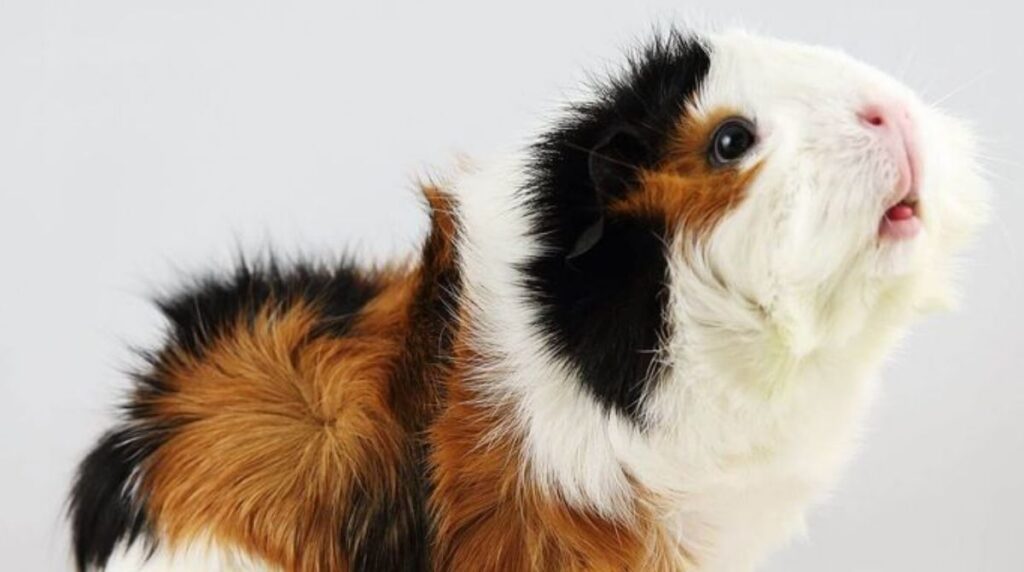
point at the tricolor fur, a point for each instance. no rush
(617, 350)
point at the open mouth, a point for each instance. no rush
(901, 220)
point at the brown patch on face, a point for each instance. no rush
(489, 515)
(684, 191)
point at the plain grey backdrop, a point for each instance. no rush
(143, 139)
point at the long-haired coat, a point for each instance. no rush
(643, 343)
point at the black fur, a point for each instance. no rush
(389, 530)
(104, 510)
(105, 506)
(601, 281)
(199, 315)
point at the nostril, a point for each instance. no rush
(873, 116)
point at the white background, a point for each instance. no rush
(139, 139)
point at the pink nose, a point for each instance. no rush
(895, 129)
(885, 116)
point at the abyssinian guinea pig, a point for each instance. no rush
(643, 343)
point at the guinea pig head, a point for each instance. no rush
(806, 185)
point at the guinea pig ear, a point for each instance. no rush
(611, 166)
(613, 162)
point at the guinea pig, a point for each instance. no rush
(644, 342)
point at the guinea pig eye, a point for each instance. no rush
(731, 140)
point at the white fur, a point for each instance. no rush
(782, 317)
(196, 556)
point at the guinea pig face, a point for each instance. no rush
(843, 177)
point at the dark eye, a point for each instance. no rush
(732, 139)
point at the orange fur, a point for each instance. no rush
(282, 426)
(275, 428)
(684, 191)
(490, 516)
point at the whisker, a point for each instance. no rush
(995, 176)
(962, 87)
(1010, 246)
(1000, 160)
(613, 160)
(908, 61)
